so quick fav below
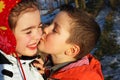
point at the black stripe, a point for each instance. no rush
(4, 60)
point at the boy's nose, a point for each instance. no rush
(46, 30)
(43, 37)
(44, 33)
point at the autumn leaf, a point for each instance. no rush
(2, 6)
(3, 28)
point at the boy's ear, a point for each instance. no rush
(73, 50)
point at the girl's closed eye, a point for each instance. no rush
(28, 32)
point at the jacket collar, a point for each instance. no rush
(51, 68)
(3, 59)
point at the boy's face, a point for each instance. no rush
(54, 39)
(28, 33)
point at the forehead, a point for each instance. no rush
(28, 19)
(63, 19)
(31, 17)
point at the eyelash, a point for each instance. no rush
(40, 26)
(54, 29)
(28, 32)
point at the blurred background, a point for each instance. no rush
(107, 15)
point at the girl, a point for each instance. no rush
(20, 32)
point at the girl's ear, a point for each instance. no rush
(73, 50)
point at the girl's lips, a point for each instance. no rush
(32, 46)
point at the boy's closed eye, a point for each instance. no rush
(55, 28)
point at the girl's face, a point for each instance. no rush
(28, 33)
(55, 36)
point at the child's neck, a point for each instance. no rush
(61, 59)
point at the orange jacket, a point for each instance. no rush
(91, 71)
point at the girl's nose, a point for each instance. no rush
(38, 34)
(46, 31)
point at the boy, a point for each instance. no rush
(68, 41)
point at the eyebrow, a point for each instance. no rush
(29, 28)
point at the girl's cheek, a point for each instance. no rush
(28, 39)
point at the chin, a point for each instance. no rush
(43, 52)
(32, 53)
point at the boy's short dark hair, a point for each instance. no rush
(84, 31)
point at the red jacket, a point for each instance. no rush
(91, 71)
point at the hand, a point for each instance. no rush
(38, 63)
